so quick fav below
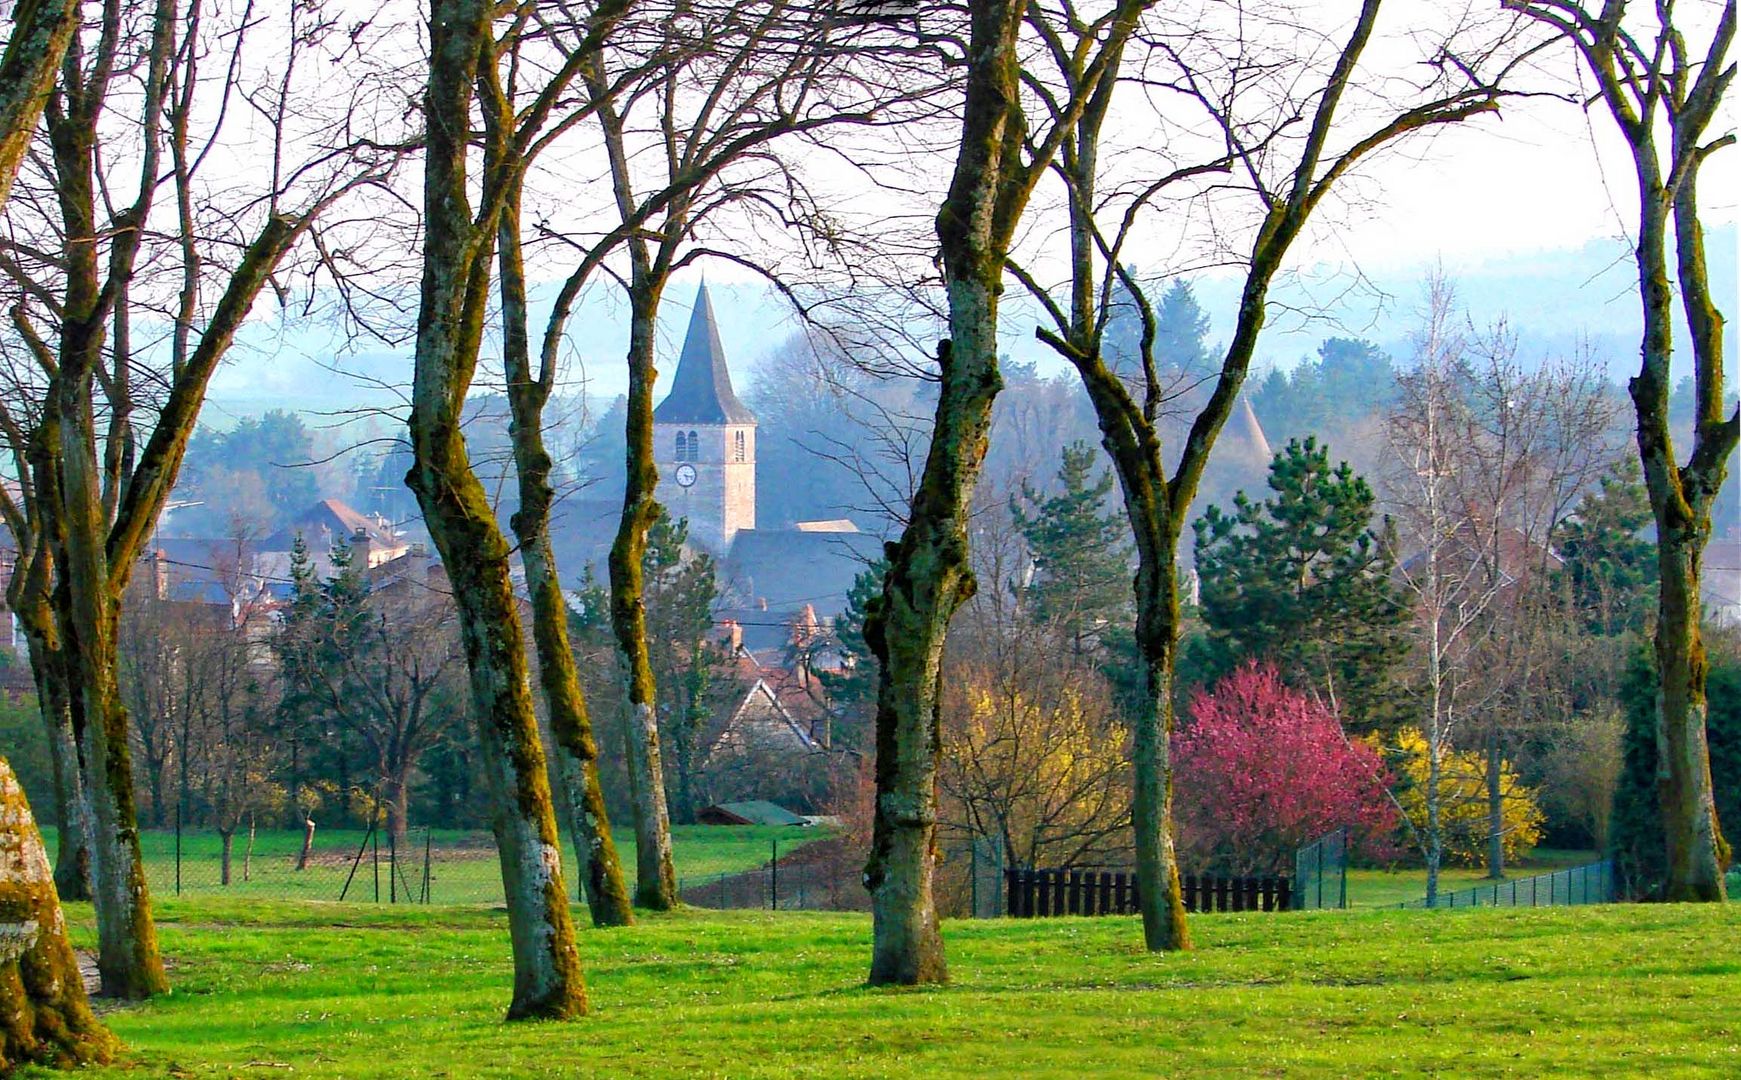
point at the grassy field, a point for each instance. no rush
(323, 990)
(463, 865)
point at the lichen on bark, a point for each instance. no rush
(45, 1018)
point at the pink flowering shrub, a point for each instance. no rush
(1261, 769)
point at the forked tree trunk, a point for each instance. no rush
(547, 975)
(655, 869)
(1680, 502)
(1663, 94)
(44, 1016)
(450, 324)
(607, 898)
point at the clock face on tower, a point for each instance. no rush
(685, 475)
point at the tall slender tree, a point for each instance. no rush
(471, 70)
(1001, 159)
(1663, 93)
(1290, 167)
(109, 418)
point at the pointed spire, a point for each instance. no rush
(701, 391)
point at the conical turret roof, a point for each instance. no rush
(701, 391)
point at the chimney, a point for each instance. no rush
(160, 574)
(761, 603)
(733, 634)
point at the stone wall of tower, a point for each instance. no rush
(722, 501)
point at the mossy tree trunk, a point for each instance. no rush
(570, 724)
(44, 1016)
(655, 869)
(40, 33)
(930, 574)
(458, 249)
(1663, 95)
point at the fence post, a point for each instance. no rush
(426, 846)
(375, 853)
(177, 849)
(774, 875)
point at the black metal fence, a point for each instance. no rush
(1592, 883)
(1038, 893)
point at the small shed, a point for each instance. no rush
(755, 812)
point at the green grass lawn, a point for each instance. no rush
(323, 990)
(463, 865)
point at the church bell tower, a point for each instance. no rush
(704, 441)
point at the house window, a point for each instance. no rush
(739, 451)
(682, 446)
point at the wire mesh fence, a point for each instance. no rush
(432, 866)
(1321, 873)
(1592, 883)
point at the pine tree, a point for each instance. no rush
(1609, 572)
(1081, 553)
(1181, 329)
(688, 667)
(852, 691)
(1303, 581)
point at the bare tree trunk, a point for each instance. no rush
(227, 840)
(455, 292)
(127, 953)
(397, 796)
(248, 852)
(307, 844)
(44, 1016)
(1680, 502)
(1435, 834)
(1663, 95)
(655, 869)
(1495, 808)
(607, 897)
(1162, 901)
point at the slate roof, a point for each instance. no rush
(789, 568)
(754, 812)
(701, 391)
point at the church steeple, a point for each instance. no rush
(701, 391)
(705, 441)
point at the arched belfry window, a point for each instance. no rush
(694, 447)
(682, 446)
(739, 451)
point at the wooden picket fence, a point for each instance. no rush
(1035, 893)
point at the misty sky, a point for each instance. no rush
(1528, 213)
